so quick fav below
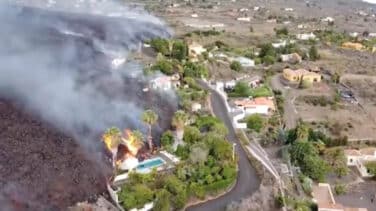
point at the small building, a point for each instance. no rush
(293, 58)
(374, 49)
(328, 20)
(259, 105)
(298, 75)
(165, 82)
(323, 197)
(245, 62)
(280, 44)
(309, 36)
(289, 9)
(243, 10)
(302, 26)
(359, 158)
(244, 19)
(353, 34)
(353, 45)
(195, 50)
(194, 15)
(196, 107)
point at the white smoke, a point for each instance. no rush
(50, 62)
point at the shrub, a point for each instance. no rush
(340, 189)
(282, 32)
(255, 122)
(164, 66)
(236, 66)
(179, 50)
(167, 139)
(313, 53)
(195, 70)
(160, 45)
(269, 60)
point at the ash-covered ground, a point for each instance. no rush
(62, 84)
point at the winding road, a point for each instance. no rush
(247, 181)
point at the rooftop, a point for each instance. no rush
(259, 101)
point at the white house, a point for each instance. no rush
(244, 19)
(279, 44)
(194, 15)
(245, 62)
(353, 34)
(291, 58)
(328, 19)
(259, 105)
(306, 36)
(359, 158)
(165, 82)
(289, 9)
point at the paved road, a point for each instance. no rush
(247, 181)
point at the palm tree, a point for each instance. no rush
(149, 117)
(112, 137)
(138, 139)
(178, 121)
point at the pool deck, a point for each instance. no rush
(169, 163)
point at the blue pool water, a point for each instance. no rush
(150, 164)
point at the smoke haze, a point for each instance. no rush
(50, 63)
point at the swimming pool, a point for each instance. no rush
(148, 165)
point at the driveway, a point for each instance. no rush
(290, 116)
(247, 180)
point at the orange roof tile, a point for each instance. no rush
(259, 101)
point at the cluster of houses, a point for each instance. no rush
(323, 196)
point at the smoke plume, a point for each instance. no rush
(64, 66)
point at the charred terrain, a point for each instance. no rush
(64, 80)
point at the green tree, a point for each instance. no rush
(236, 66)
(269, 60)
(314, 167)
(191, 135)
(179, 50)
(162, 201)
(199, 153)
(167, 139)
(195, 70)
(178, 121)
(241, 89)
(300, 149)
(135, 196)
(197, 190)
(164, 66)
(282, 32)
(337, 160)
(313, 53)
(371, 168)
(267, 50)
(255, 122)
(161, 45)
(149, 117)
(178, 189)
